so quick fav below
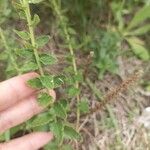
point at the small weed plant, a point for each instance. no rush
(134, 29)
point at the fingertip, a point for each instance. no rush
(31, 74)
(15, 89)
(42, 138)
(52, 93)
(48, 136)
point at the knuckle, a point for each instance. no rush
(30, 145)
(5, 123)
(34, 107)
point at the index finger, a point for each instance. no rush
(15, 89)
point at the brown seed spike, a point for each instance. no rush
(114, 93)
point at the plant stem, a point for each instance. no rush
(10, 55)
(75, 71)
(8, 51)
(70, 47)
(32, 37)
(94, 89)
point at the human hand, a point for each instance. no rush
(18, 104)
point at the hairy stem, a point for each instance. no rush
(8, 51)
(32, 37)
(68, 39)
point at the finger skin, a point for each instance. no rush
(20, 112)
(32, 141)
(15, 89)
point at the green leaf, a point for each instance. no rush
(35, 83)
(42, 40)
(72, 91)
(51, 82)
(135, 40)
(71, 133)
(9, 68)
(22, 34)
(140, 16)
(44, 99)
(78, 77)
(53, 145)
(13, 132)
(25, 52)
(59, 110)
(35, 1)
(140, 31)
(70, 80)
(35, 20)
(17, 5)
(30, 66)
(42, 128)
(59, 80)
(57, 129)
(72, 31)
(47, 81)
(22, 15)
(64, 104)
(84, 106)
(40, 120)
(47, 59)
(139, 50)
